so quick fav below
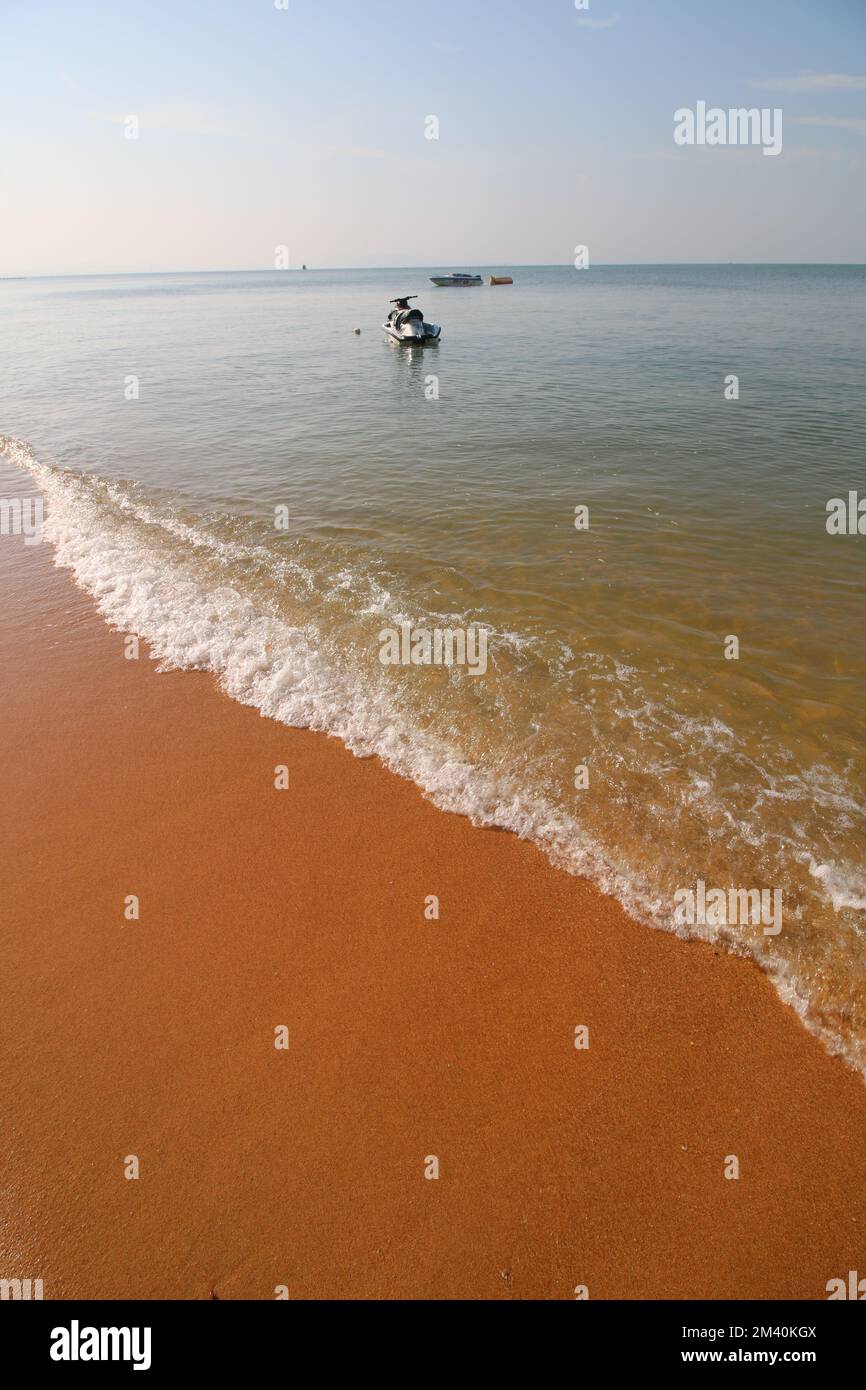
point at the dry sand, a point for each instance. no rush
(408, 1037)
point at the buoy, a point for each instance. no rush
(357, 330)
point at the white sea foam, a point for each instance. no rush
(844, 887)
(282, 669)
(120, 548)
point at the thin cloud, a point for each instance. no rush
(356, 152)
(814, 82)
(831, 122)
(812, 152)
(587, 23)
(185, 118)
(69, 84)
(655, 154)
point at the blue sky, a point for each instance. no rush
(261, 127)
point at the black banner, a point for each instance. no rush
(83, 1338)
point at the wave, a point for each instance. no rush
(292, 640)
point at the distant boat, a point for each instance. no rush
(457, 277)
(501, 280)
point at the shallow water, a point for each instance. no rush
(606, 646)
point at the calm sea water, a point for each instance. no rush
(438, 486)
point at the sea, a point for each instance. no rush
(636, 489)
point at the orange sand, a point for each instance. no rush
(407, 1037)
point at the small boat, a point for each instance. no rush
(501, 280)
(457, 277)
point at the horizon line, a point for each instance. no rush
(514, 265)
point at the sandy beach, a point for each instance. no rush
(408, 1037)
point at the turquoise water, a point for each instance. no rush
(437, 486)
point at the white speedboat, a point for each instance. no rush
(457, 277)
(406, 325)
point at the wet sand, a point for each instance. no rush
(407, 1037)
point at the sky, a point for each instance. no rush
(306, 126)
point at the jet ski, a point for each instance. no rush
(406, 325)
